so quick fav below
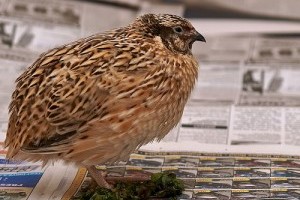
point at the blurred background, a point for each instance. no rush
(248, 89)
(251, 56)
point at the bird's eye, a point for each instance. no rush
(178, 29)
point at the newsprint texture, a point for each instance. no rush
(239, 137)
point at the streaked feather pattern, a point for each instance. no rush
(96, 100)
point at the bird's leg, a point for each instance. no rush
(103, 181)
(133, 178)
(99, 177)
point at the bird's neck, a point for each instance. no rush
(180, 69)
(183, 74)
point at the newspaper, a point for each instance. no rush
(218, 176)
(239, 134)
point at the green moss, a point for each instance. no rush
(161, 185)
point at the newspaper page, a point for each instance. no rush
(239, 134)
(248, 102)
(243, 117)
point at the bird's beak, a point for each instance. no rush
(199, 37)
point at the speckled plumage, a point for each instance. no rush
(96, 100)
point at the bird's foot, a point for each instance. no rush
(99, 177)
(132, 178)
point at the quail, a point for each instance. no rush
(96, 100)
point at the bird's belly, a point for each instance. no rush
(157, 124)
(145, 130)
(130, 134)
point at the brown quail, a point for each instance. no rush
(96, 100)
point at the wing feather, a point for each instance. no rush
(52, 99)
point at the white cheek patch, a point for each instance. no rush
(158, 41)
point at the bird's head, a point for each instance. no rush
(176, 33)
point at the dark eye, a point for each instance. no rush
(178, 29)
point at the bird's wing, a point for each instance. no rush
(67, 88)
(72, 103)
(57, 94)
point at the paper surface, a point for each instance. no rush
(239, 135)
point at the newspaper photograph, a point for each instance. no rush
(239, 134)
